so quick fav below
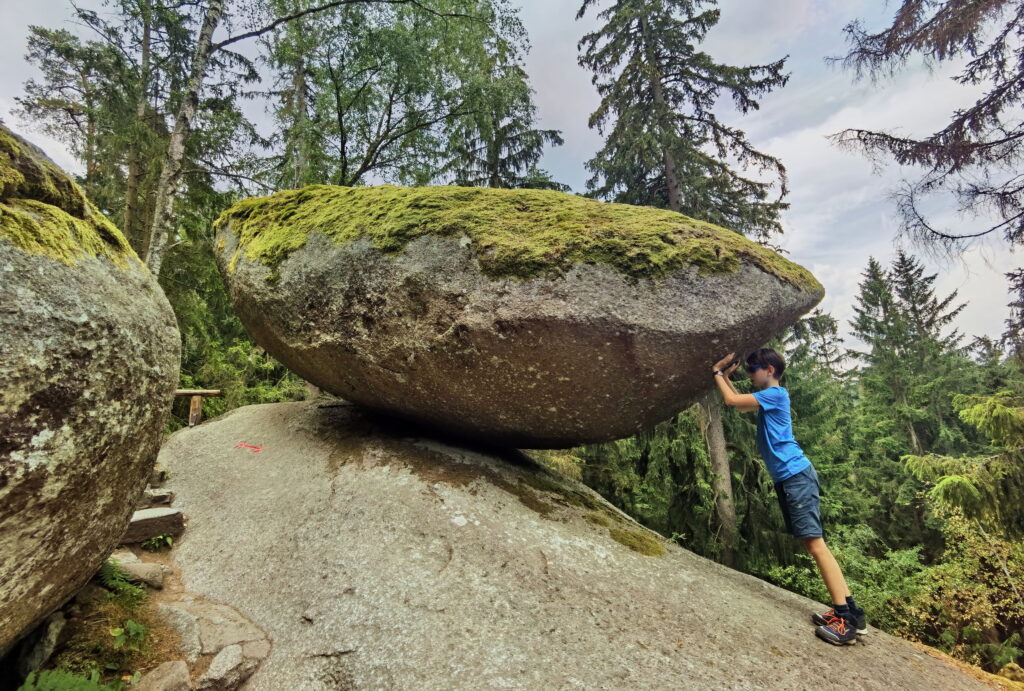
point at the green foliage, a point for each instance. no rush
(969, 604)
(59, 680)
(498, 145)
(130, 635)
(987, 488)
(125, 593)
(158, 543)
(403, 92)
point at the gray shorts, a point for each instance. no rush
(800, 500)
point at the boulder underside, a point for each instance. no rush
(539, 363)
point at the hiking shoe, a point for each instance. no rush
(825, 618)
(838, 631)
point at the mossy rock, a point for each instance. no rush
(526, 318)
(43, 211)
(514, 233)
(89, 358)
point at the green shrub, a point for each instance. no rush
(126, 594)
(158, 543)
(58, 680)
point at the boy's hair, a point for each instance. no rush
(765, 357)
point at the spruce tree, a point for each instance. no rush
(498, 145)
(664, 144)
(909, 371)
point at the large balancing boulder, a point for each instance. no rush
(89, 356)
(528, 318)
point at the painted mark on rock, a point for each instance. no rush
(254, 449)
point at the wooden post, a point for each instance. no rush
(195, 411)
(195, 408)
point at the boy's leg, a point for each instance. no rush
(829, 568)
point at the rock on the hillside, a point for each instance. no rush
(147, 523)
(154, 497)
(381, 559)
(228, 669)
(170, 676)
(35, 655)
(463, 307)
(89, 354)
(145, 572)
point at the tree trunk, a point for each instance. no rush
(170, 175)
(725, 505)
(675, 197)
(299, 162)
(133, 230)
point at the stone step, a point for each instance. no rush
(147, 523)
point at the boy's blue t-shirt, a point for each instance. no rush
(782, 455)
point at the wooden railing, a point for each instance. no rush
(195, 408)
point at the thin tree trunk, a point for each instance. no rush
(915, 441)
(725, 504)
(675, 201)
(170, 174)
(137, 236)
(299, 163)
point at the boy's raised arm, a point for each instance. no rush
(744, 401)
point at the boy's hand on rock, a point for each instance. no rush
(723, 362)
(732, 368)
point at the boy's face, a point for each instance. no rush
(762, 376)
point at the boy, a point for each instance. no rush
(796, 483)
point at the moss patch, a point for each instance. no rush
(598, 519)
(526, 496)
(514, 233)
(638, 541)
(42, 211)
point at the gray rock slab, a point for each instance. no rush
(381, 559)
(169, 676)
(208, 627)
(142, 572)
(123, 557)
(147, 523)
(228, 669)
(155, 497)
(185, 625)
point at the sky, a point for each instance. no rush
(840, 208)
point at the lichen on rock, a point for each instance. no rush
(515, 233)
(43, 211)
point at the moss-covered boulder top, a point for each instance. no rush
(515, 233)
(43, 211)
